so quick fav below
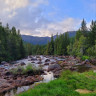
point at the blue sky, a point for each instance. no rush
(71, 8)
(46, 17)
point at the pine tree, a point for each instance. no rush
(92, 36)
(10, 44)
(84, 29)
(52, 46)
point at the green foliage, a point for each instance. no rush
(84, 29)
(11, 44)
(92, 34)
(50, 47)
(85, 57)
(59, 46)
(35, 49)
(84, 43)
(76, 80)
(91, 51)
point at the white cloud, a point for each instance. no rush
(11, 5)
(36, 3)
(88, 25)
(69, 24)
(11, 15)
(8, 8)
(26, 15)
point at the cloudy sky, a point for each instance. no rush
(46, 17)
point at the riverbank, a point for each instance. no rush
(69, 84)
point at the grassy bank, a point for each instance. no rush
(66, 85)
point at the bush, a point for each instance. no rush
(85, 57)
(17, 70)
(29, 69)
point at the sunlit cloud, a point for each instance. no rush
(50, 28)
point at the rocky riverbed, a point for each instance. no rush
(51, 66)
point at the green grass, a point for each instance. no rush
(86, 80)
(66, 85)
(90, 94)
(54, 88)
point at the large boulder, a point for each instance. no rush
(54, 67)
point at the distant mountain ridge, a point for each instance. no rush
(41, 40)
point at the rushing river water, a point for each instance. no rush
(48, 77)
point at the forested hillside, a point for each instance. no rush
(42, 40)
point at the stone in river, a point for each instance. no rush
(4, 62)
(53, 67)
(47, 60)
(22, 64)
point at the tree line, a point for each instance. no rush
(84, 43)
(12, 46)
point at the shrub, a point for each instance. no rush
(29, 69)
(85, 57)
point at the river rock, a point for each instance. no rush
(32, 62)
(40, 59)
(53, 63)
(33, 59)
(64, 64)
(39, 62)
(22, 64)
(57, 73)
(14, 62)
(47, 60)
(4, 62)
(8, 73)
(53, 67)
(46, 64)
(93, 61)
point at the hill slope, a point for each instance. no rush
(42, 40)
